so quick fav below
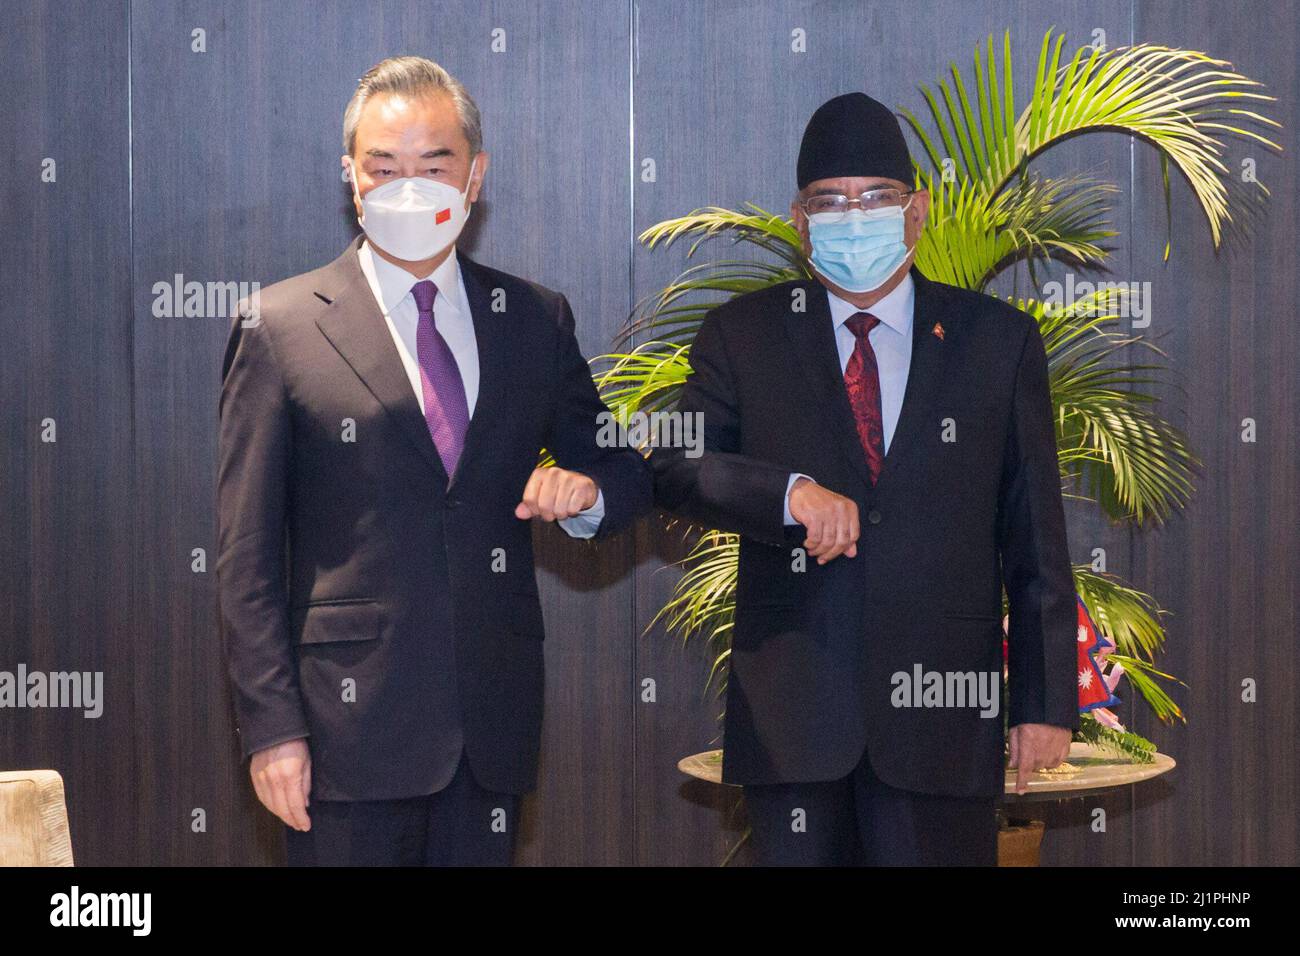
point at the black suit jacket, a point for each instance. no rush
(362, 592)
(814, 652)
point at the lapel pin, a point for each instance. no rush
(938, 331)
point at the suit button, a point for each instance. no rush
(873, 516)
(453, 503)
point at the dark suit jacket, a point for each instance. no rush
(361, 592)
(949, 522)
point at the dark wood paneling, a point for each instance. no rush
(65, 319)
(1227, 566)
(225, 169)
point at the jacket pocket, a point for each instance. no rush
(349, 619)
(765, 608)
(971, 616)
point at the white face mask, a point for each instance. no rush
(414, 218)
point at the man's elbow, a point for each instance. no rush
(628, 487)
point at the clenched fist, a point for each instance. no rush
(553, 493)
(831, 520)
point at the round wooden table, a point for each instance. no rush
(1088, 771)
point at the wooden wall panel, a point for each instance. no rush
(1226, 567)
(222, 166)
(65, 534)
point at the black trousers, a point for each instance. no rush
(860, 820)
(460, 825)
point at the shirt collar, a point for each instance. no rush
(894, 310)
(395, 283)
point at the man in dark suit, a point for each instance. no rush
(381, 420)
(884, 446)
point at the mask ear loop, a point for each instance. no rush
(469, 181)
(356, 192)
(918, 235)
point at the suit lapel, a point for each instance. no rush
(356, 328)
(927, 372)
(812, 336)
(489, 329)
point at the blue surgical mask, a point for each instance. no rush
(861, 250)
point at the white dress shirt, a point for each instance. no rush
(891, 340)
(391, 286)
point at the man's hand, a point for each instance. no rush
(831, 520)
(1037, 747)
(282, 778)
(553, 493)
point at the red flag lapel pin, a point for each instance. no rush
(938, 331)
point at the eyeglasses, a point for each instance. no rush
(836, 205)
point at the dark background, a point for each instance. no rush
(223, 166)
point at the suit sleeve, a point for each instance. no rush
(252, 482)
(573, 438)
(719, 487)
(1043, 613)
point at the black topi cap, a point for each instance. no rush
(853, 135)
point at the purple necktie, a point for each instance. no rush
(446, 409)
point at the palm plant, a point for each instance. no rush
(992, 210)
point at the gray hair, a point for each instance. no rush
(414, 76)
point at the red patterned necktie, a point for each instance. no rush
(862, 381)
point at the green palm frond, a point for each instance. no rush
(1142, 676)
(675, 312)
(961, 243)
(703, 601)
(1126, 617)
(986, 149)
(768, 231)
(649, 378)
(971, 235)
(1130, 620)
(1178, 101)
(1061, 218)
(1122, 743)
(1111, 444)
